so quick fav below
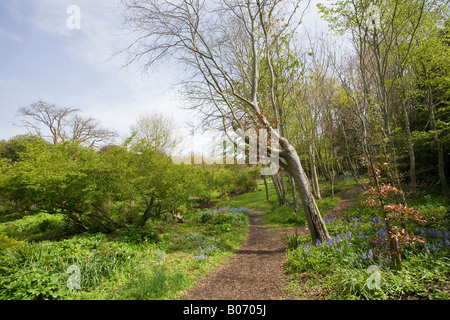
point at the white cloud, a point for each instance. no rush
(11, 36)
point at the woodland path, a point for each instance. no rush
(256, 272)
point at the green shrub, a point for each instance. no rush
(284, 216)
(9, 243)
(34, 283)
(293, 241)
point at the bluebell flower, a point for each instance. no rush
(427, 249)
(376, 220)
(382, 233)
(200, 256)
(349, 234)
(369, 255)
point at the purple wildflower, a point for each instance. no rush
(382, 233)
(376, 220)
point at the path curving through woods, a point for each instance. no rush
(256, 272)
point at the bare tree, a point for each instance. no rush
(63, 124)
(226, 47)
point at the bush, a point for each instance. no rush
(33, 283)
(225, 216)
(9, 243)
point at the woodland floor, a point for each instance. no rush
(256, 271)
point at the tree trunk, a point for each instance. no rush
(279, 189)
(283, 184)
(315, 181)
(294, 194)
(437, 141)
(147, 213)
(267, 189)
(317, 227)
(332, 181)
(412, 157)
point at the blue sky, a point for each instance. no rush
(42, 59)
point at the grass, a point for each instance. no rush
(253, 200)
(161, 261)
(284, 216)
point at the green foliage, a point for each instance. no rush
(292, 241)
(285, 216)
(133, 263)
(12, 149)
(156, 284)
(9, 243)
(343, 261)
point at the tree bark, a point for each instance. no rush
(412, 157)
(314, 179)
(317, 227)
(279, 189)
(267, 189)
(294, 194)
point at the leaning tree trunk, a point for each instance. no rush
(316, 224)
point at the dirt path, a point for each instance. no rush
(256, 271)
(346, 202)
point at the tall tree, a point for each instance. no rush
(157, 131)
(222, 45)
(384, 40)
(433, 87)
